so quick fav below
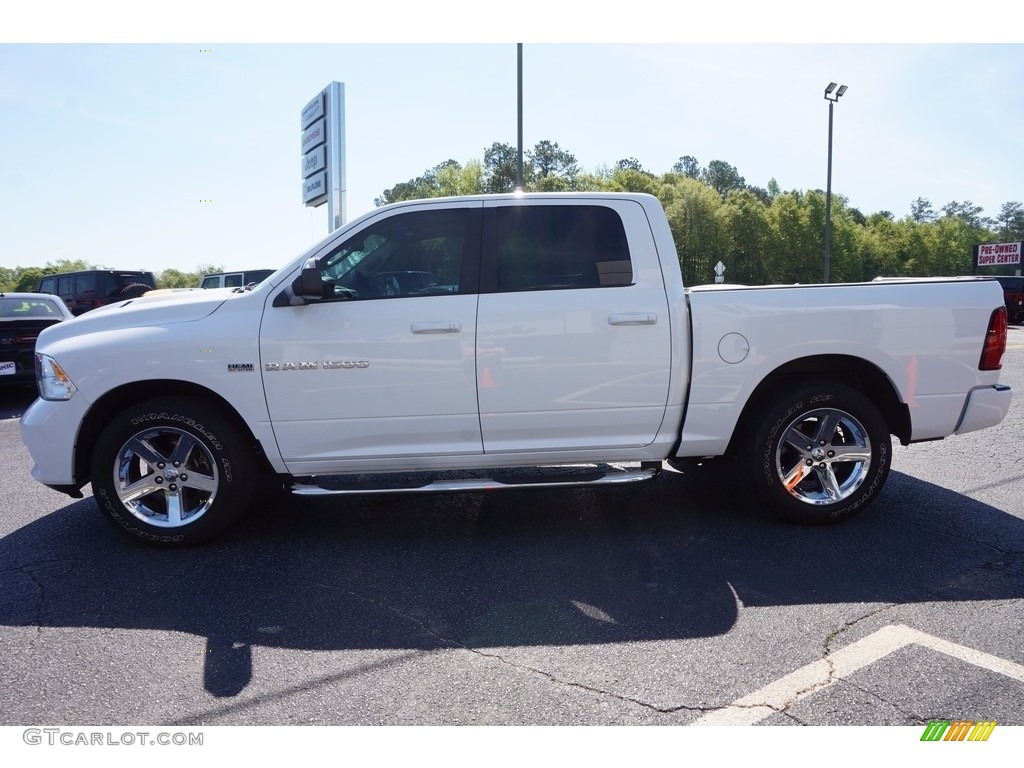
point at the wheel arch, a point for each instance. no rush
(116, 400)
(853, 372)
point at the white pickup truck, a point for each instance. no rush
(450, 344)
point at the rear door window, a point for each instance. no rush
(85, 285)
(557, 247)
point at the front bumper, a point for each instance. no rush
(50, 430)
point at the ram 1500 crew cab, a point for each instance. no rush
(485, 334)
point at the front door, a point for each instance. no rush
(381, 369)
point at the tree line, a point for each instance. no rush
(762, 235)
(27, 278)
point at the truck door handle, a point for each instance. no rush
(437, 327)
(632, 318)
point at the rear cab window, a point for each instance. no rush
(541, 248)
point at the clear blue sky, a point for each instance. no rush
(106, 150)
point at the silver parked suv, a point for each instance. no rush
(235, 279)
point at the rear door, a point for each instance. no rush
(381, 369)
(573, 338)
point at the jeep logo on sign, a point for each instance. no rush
(312, 366)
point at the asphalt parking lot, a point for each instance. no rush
(674, 603)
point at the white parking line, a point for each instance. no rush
(819, 675)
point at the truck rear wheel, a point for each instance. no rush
(172, 471)
(821, 454)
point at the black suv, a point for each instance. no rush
(93, 288)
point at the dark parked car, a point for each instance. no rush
(92, 288)
(22, 317)
(1013, 295)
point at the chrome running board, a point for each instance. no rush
(561, 477)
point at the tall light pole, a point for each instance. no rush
(519, 116)
(831, 96)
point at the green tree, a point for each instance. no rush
(874, 245)
(846, 262)
(548, 159)
(722, 177)
(630, 164)
(174, 278)
(28, 279)
(760, 193)
(921, 210)
(746, 234)
(951, 246)
(453, 179)
(1011, 221)
(629, 179)
(967, 212)
(795, 253)
(423, 186)
(692, 209)
(688, 166)
(69, 265)
(500, 168)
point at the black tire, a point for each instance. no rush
(820, 454)
(173, 471)
(133, 291)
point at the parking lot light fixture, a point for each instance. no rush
(831, 96)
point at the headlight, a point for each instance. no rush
(53, 383)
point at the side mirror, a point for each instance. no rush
(308, 285)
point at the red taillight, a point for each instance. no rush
(995, 342)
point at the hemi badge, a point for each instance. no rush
(240, 368)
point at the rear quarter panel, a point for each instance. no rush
(926, 337)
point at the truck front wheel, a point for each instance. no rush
(172, 471)
(821, 454)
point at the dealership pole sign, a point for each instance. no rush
(323, 153)
(997, 254)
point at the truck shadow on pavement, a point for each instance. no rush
(674, 558)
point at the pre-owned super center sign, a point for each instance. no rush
(998, 254)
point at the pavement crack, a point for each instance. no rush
(581, 686)
(492, 656)
(25, 609)
(423, 626)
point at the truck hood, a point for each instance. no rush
(154, 308)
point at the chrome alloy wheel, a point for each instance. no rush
(165, 477)
(823, 457)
